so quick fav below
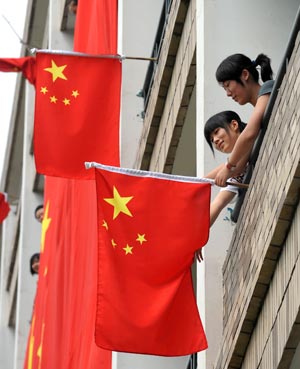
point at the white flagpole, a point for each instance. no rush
(170, 177)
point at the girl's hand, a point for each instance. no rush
(222, 176)
(199, 255)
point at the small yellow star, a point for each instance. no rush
(119, 203)
(66, 101)
(141, 238)
(113, 243)
(105, 225)
(40, 349)
(75, 93)
(31, 343)
(44, 90)
(45, 225)
(56, 71)
(128, 249)
(53, 99)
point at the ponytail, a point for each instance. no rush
(266, 71)
(231, 68)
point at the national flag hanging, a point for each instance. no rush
(77, 112)
(62, 327)
(148, 231)
(101, 38)
(26, 65)
(4, 207)
(68, 338)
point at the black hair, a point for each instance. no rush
(35, 256)
(222, 119)
(38, 208)
(231, 68)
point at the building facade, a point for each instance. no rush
(248, 286)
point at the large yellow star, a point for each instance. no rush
(56, 71)
(119, 203)
(45, 225)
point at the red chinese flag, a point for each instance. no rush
(62, 329)
(4, 207)
(77, 112)
(96, 26)
(26, 65)
(148, 231)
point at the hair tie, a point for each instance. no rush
(254, 63)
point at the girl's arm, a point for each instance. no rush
(222, 199)
(243, 146)
(218, 204)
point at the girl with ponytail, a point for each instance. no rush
(239, 76)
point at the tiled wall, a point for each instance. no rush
(262, 265)
(171, 90)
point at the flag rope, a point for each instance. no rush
(145, 173)
(101, 56)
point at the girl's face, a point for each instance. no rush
(224, 140)
(236, 91)
(239, 92)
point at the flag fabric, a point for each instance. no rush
(148, 231)
(62, 327)
(4, 207)
(62, 333)
(26, 65)
(77, 112)
(102, 37)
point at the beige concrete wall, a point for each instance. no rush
(276, 327)
(174, 100)
(171, 91)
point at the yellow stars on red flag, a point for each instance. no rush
(31, 345)
(128, 249)
(119, 203)
(75, 93)
(141, 238)
(66, 101)
(53, 99)
(40, 349)
(44, 90)
(56, 71)
(61, 95)
(45, 225)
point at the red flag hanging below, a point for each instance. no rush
(148, 231)
(77, 112)
(26, 65)
(101, 38)
(62, 328)
(4, 207)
